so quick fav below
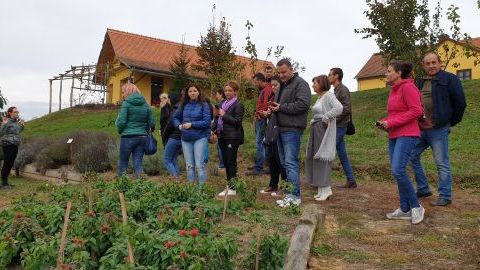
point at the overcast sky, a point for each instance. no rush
(40, 39)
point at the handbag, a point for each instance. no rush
(350, 127)
(150, 145)
(271, 132)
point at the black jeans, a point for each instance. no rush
(229, 150)
(276, 169)
(9, 155)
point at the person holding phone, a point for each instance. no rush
(220, 98)
(10, 139)
(404, 109)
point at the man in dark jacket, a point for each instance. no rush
(291, 108)
(443, 105)
(343, 95)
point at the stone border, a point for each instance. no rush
(299, 251)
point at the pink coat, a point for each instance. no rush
(404, 109)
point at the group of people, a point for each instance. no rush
(419, 115)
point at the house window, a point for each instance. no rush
(464, 74)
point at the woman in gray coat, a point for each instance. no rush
(322, 140)
(10, 139)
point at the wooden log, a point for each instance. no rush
(302, 238)
(257, 250)
(125, 221)
(63, 240)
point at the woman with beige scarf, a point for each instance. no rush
(322, 141)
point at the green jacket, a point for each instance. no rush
(10, 133)
(135, 116)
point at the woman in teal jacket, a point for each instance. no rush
(134, 122)
(10, 139)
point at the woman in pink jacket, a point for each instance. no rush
(404, 109)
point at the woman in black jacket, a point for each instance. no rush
(229, 130)
(166, 111)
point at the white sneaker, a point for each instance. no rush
(417, 214)
(399, 214)
(325, 194)
(288, 200)
(319, 193)
(228, 192)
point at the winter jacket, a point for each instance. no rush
(171, 131)
(343, 95)
(232, 123)
(165, 114)
(135, 117)
(448, 99)
(262, 102)
(294, 99)
(404, 109)
(199, 114)
(10, 133)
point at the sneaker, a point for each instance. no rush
(276, 194)
(399, 214)
(228, 192)
(268, 190)
(424, 195)
(348, 185)
(7, 186)
(325, 194)
(319, 194)
(289, 200)
(417, 214)
(254, 172)
(441, 202)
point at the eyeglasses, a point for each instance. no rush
(17, 112)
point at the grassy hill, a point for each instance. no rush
(367, 148)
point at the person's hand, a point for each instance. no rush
(21, 123)
(187, 125)
(264, 114)
(4, 120)
(221, 112)
(274, 106)
(383, 125)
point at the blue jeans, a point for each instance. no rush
(134, 146)
(400, 150)
(289, 151)
(259, 136)
(221, 164)
(342, 154)
(437, 139)
(194, 154)
(170, 155)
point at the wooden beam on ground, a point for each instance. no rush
(302, 238)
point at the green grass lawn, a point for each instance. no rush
(367, 149)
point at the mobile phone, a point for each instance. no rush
(217, 107)
(378, 124)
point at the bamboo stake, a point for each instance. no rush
(225, 200)
(257, 252)
(64, 236)
(125, 220)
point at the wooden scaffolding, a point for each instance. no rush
(89, 79)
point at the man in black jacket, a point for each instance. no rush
(291, 108)
(443, 103)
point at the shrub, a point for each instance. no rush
(273, 249)
(93, 155)
(153, 165)
(53, 156)
(29, 150)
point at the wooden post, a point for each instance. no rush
(50, 102)
(60, 95)
(125, 220)
(257, 252)
(71, 88)
(64, 236)
(225, 200)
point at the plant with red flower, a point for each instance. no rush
(169, 244)
(194, 232)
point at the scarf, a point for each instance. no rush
(225, 106)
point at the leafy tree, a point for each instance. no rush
(404, 29)
(179, 68)
(217, 56)
(3, 100)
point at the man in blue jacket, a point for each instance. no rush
(443, 105)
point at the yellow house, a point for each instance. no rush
(146, 61)
(372, 74)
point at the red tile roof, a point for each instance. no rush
(374, 67)
(153, 54)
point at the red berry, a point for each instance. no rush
(169, 244)
(183, 254)
(194, 232)
(182, 232)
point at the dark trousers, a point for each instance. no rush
(9, 155)
(229, 150)
(276, 169)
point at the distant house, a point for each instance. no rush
(147, 60)
(372, 74)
